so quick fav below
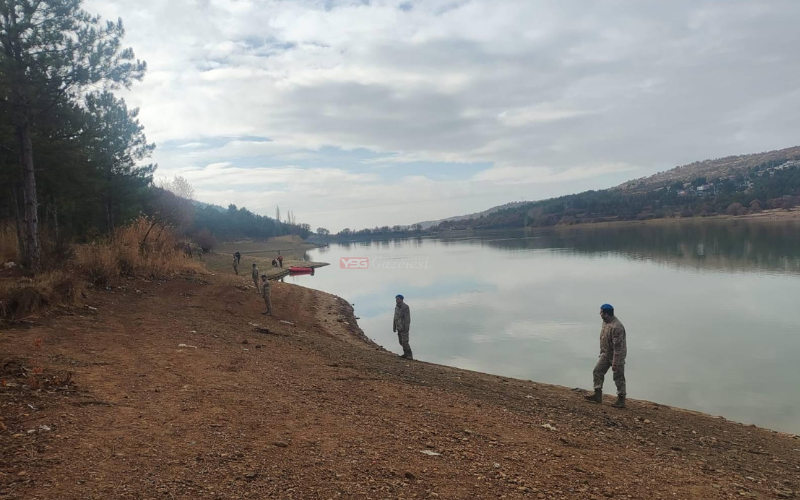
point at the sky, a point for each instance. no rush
(357, 113)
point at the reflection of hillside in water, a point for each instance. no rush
(708, 245)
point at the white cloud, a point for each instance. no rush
(551, 95)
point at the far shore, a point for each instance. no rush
(768, 216)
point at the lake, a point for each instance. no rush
(711, 308)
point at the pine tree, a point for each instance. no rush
(52, 50)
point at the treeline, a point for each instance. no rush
(233, 223)
(761, 187)
(72, 154)
(399, 231)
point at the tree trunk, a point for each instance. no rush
(55, 219)
(110, 216)
(18, 224)
(33, 251)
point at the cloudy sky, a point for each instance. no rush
(355, 113)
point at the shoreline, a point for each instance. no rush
(182, 389)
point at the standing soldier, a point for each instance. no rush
(613, 350)
(265, 289)
(235, 265)
(255, 276)
(402, 322)
(280, 259)
(238, 258)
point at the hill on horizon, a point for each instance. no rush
(733, 184)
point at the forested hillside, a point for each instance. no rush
(73, 156)
(734, 186)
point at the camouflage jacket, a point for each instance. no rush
(612, 342)
(255, 273)
(402, 318)
(265, 288)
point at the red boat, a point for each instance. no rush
(298, 270)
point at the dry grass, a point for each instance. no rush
(139, 249)
(8, 243)
(29, 295)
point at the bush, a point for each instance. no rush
(47, 289)
(142, 248)
(205, 239)
(735, 209)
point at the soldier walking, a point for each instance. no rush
(255, 274)
(613, 350)
(402, 322)
(238, 257)
(235, 265)
(265, 292)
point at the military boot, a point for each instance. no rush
(597, 397)
(619, 403)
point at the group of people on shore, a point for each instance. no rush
(613, 344)
(613, 349)
(260, 281)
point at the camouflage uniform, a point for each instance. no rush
(402, 322)
(613, 349)
(235, 265)
(265, 289)
(255, 277)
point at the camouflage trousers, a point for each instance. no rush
(403, 338)
(599, 373)
(255, 282)
(268, 303)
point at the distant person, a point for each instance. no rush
(265, 292)
(255, 274)
(238, 257)
(235, 265)
(402, 322)
(274, 263)
(613, 350)
(280, 259)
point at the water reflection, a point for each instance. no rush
(710, 307)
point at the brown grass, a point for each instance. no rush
(139, 249)
(29, 295)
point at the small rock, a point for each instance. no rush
(245, 341)
(647, 421)
(410, 475)
(251, 475)
(280, 444)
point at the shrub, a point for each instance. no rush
(142, 248)
(46, 289)
(205, 239)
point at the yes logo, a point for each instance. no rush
(354, 262)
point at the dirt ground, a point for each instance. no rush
(183, 390)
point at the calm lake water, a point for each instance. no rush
(712, 309)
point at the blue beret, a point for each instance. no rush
(398, 296)
(606, 307)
